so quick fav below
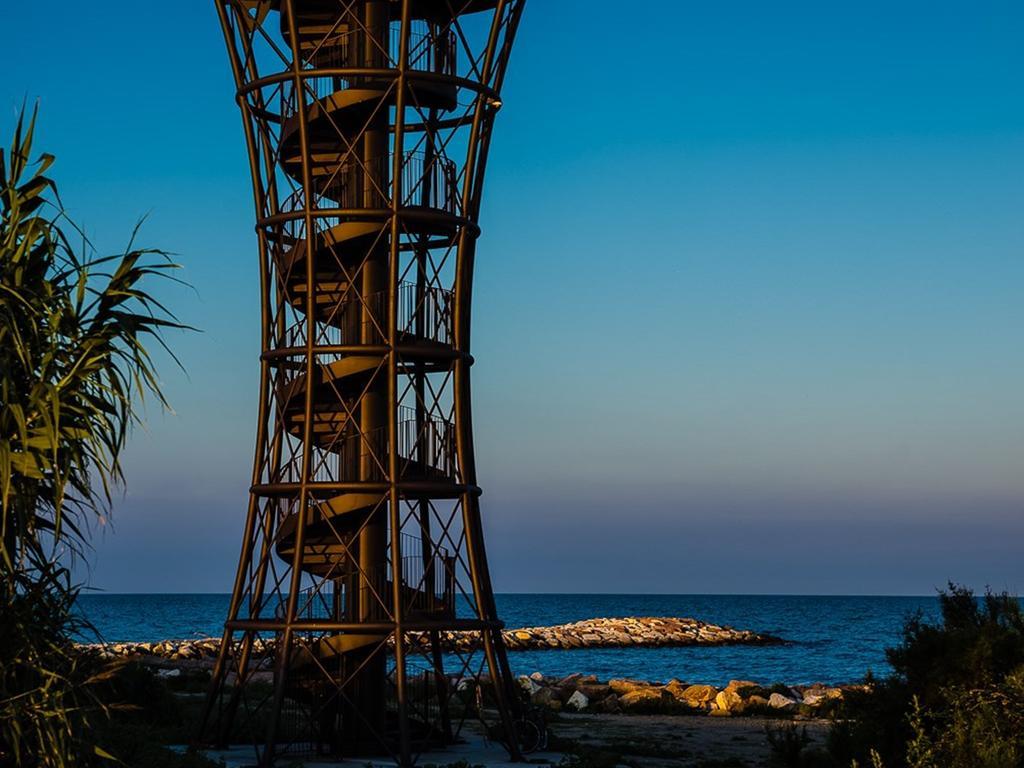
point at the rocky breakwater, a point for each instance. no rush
(585, 693)
(632, 632)
(205, 649)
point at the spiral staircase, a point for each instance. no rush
(320, 127)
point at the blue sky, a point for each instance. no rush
(748, 300)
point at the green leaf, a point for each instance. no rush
(101, 752)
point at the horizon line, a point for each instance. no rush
(96, 592)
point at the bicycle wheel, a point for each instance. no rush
(529, 735)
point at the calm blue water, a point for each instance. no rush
(833, 639)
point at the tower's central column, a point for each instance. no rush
(373, 406)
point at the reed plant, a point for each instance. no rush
(76, 334)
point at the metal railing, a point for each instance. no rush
(429, 184)
(430, 441)
(426, 448)
(428, 586)
(426, 183)
(358, 320)
(427, 53)
(424, 314)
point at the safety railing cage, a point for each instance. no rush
(337, 48)
(344, 182)
(424, 315)
(427, 581)
(426, 450)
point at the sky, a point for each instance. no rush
(748, 302)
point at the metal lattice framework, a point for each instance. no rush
(368, 124)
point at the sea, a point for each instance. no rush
(828, 639)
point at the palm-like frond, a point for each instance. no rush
(74, 361)
(75, 334)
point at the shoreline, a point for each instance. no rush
(586, 694)
(576, 692)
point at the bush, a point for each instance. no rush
(790, 749)
(978, 643)
(979, 728)
(955, 698)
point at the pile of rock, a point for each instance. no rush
(170, 650)
(634, 632)
(585, 693)
(631, 632)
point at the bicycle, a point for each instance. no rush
(531, 730)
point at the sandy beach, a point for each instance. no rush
(665, 741)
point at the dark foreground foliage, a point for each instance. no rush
(62, 706)
(145, 717)
(45, 702)
(954, 700)
(75, 329)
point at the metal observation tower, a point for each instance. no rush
(367, 124)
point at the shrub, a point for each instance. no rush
(956, 695)
(790, 748)
(979, 642)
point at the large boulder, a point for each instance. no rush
(699, 696)
(211, 647)
(568, 685)
(642, 698)
(747, 688)
(676, 689)
(547, 697)
(528, 684)
(784, 703)
(624, 685)
(577, 702)
(735, 685)
(594, 691)
(814, 695)
(609, 704)
(730, 702)
(570, 680)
